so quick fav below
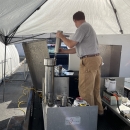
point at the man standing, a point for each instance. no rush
(85, 44)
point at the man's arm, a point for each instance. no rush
(67, 51)
(66, 41)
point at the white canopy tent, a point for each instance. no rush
(14, 12)
(106, 17)
(57, 15)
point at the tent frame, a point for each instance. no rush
(118, 21)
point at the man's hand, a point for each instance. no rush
(66, 41)
(59, 34)
(62, 50)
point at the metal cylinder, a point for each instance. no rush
(43, 90)
(58, 43)
(64, 101)
(49, 81)
(49, 62)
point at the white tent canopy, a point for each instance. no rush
(14, 12)
(57, 15)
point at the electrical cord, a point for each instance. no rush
(25, 94)
(22, 102)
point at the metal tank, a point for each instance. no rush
(48, 89)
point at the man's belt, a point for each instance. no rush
(92, 55)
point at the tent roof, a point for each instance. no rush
(14, 12)
(57, 15)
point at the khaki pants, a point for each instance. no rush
(89, 81)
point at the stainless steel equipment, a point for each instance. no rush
(111, 55)
(58, 113)
(71, 118)
(61, 85)
(49, 81)
(58, 43)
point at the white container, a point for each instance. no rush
(110, 84)
(107, 83)
(124, 99)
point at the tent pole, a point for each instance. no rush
(117, 19)
(4, 69)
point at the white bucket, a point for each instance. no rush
(110, 84)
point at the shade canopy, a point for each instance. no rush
(106, 16)
(58, 15)
(14, 12)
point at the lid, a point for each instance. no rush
(111, 79)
